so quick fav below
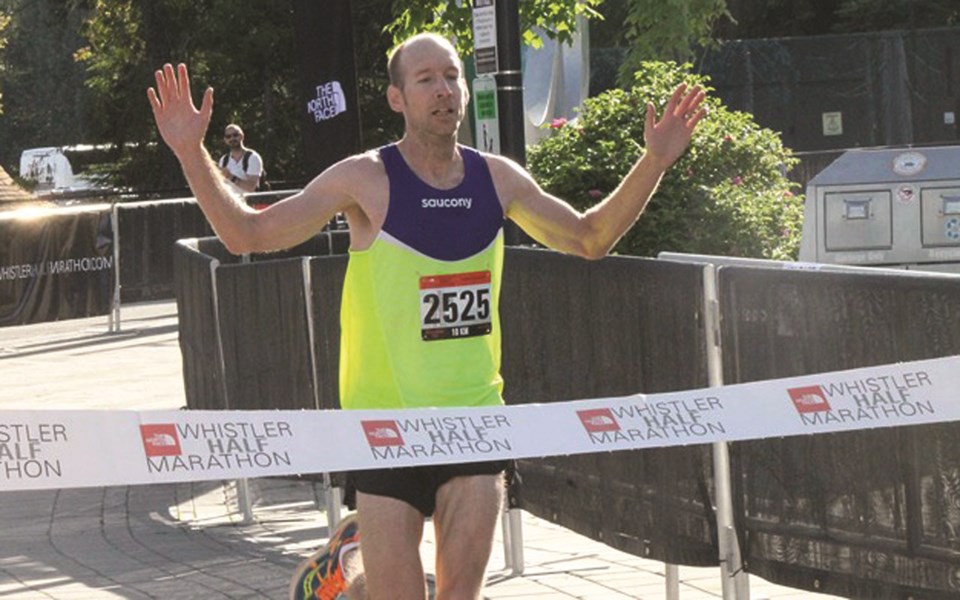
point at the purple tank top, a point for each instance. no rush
(443, 224)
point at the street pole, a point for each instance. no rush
(510, 98)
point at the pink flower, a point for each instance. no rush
(737, 180)
(727, 138)
(558, 123)
(788, 194)
(595, 193)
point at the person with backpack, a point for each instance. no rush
(241, 166)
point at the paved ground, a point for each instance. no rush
(189, 540)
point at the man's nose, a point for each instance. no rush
(444, 88)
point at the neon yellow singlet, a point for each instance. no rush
(418, 331)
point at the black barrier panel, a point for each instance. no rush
(193, 287)
(867, 514)
(148, 231)
(574, 329)
(326, 243)
(55, 266)
(264, 329)
(326, 279)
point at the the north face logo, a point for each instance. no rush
(160, 440)
(329, 102)
(598, 419)
(382, 433)
(809, 399)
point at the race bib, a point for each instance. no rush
(455, 305)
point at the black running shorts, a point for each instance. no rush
(417, 486)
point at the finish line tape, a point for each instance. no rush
(92, 448)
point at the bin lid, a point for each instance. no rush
(891, 165)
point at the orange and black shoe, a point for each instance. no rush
(320, 576)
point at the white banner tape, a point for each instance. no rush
(83, 448)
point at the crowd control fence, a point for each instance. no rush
(863, 513)
(86, 260)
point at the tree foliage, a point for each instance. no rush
(788, 18)
(554, 18)
(728, 194)
(44, 99)
(246, 55)
(4, 23)
(668, 30)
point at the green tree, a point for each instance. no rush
(43, 96)
(246, 53)
(791, 18)
(4, 23)
(668, 30)
(555, 18)
(727, 195)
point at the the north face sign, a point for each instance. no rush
(328, 103)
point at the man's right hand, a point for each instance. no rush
(181, 125)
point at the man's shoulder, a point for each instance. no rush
(502, 167)
(364, 164)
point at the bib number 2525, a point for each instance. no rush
(455, 305)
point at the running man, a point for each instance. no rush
(426, 224)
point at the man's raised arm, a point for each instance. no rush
(593, 233)
(242, 229)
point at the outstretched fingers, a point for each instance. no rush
(685, 104)
(691, 108)
(183, 84)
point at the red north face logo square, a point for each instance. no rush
(809, 399)
(382, 433)
(598, 419)
(160, 440)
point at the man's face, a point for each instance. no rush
(433, 94)
(233, 138)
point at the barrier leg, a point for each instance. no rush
(113, 321)
(733, 580)
(244, 503)
(672, 573)
(516, 541)
(505, 528)
(334, 500)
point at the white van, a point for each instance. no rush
(51, 169)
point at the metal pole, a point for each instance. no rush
(734, 581)
(672, 573)
(243, 490)
(113, 322)
(510, 98)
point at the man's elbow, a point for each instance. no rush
(593, 244)
(244, 239)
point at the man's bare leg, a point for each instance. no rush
(390, 548)
(465, 522)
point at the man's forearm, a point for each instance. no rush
(613, 217)
(226, 211)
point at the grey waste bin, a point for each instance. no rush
(892, 207)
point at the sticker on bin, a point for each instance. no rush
(456, 305)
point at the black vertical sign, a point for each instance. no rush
(331, 120)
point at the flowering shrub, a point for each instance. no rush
(727, 195)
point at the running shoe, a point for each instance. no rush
(320, 576)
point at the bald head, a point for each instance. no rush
(414, 47)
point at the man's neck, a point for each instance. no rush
(438, 164)
(236, 153)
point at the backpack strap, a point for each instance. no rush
(223, 160)
(246, 160)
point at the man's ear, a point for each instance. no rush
(395, 98)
